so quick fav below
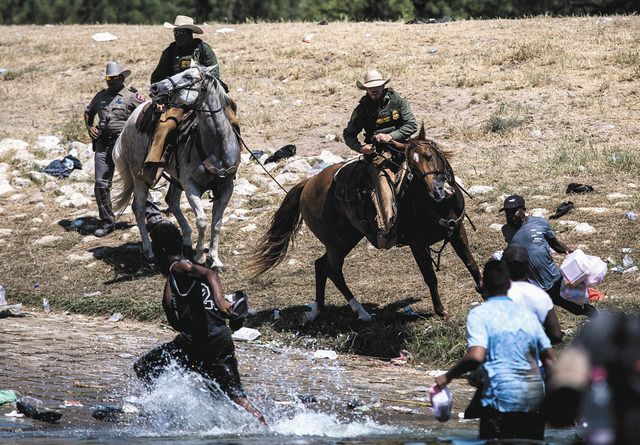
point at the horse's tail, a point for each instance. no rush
(125, 189)
(272, 246)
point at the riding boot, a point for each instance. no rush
(155, 162)
(384, 202)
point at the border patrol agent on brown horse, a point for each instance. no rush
(113, 106)
(385, 117)
(175, 59)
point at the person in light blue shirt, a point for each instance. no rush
(508, 340)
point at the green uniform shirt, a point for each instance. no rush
(175, 60)
(390, 115)
(113, 109)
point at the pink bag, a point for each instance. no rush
(441, 402)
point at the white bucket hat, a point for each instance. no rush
(114, 69)
(372, 79)
(184, 22)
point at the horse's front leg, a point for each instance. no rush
(193, 196)
(225, 190)
(173, 201)
(460, 244)
(423, 259)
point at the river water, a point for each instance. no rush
(57, 357)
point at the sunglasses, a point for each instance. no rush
(113, 77)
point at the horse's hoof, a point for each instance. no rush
(442, 312)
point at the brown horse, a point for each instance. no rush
(427, 214)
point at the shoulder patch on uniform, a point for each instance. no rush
(120, 100)
(139, 97)
(395, 115)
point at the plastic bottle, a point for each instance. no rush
(597, 410)
(45, 305)
(3, 296)
(633, 216)
(441, 402)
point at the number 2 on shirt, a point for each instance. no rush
(206, 298)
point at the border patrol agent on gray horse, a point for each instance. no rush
(113, 106)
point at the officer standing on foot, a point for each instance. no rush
(113, 106)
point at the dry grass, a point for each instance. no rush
(489, 85)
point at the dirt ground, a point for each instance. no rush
(527, 106)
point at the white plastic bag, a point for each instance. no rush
(441, 402)
(578, 267)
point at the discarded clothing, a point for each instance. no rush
(562, 209)
(285, 152)
(62, 168)
(574, 187)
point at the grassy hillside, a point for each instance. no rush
(526, 105)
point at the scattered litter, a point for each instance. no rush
(34, 409)
(562, 210)
(627, 260)
(92, 294)
(14, 413)
(403, 409)
(404, 357)
(330, 137)
(433, 50)
(7, 396)
(575, 187)
(276, 314)
(410, 312)
(368, 34)
(104, 37)
(69, 403)
(536, 133)
(325, 353)
(45, 305)
(62, 168)
(307, 398)
(245, 334)
(361, 409)
(441, 401)
(595, 295)
(626, 250)
(3, 295)
(307, 38)
(496, 227)
(282, 153)
(117, 316)
(240, 90)
(3, 71)
(633, 216)
(497, 255)
(106, 413)
(630, 270)
(225, 30)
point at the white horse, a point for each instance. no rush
(199, 90)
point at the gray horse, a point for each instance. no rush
(199, 90)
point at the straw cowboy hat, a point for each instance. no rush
(372, 79)
(114, 69)
(184, 22)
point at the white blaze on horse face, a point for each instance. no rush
(416, 157)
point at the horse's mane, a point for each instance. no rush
(448, 154)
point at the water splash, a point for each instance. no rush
(329, 425)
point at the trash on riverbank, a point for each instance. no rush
(14, 413)
(11, 310)
(404, 357)
(7, 396)
(104, 37)
(69, 403)
(245, 334)
(34, 409)
(325, 353)
(116, 317)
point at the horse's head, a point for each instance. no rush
(182, 89)
(429, 165)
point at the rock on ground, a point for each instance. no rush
(479, 189)
(47, 240)
(584, 229)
